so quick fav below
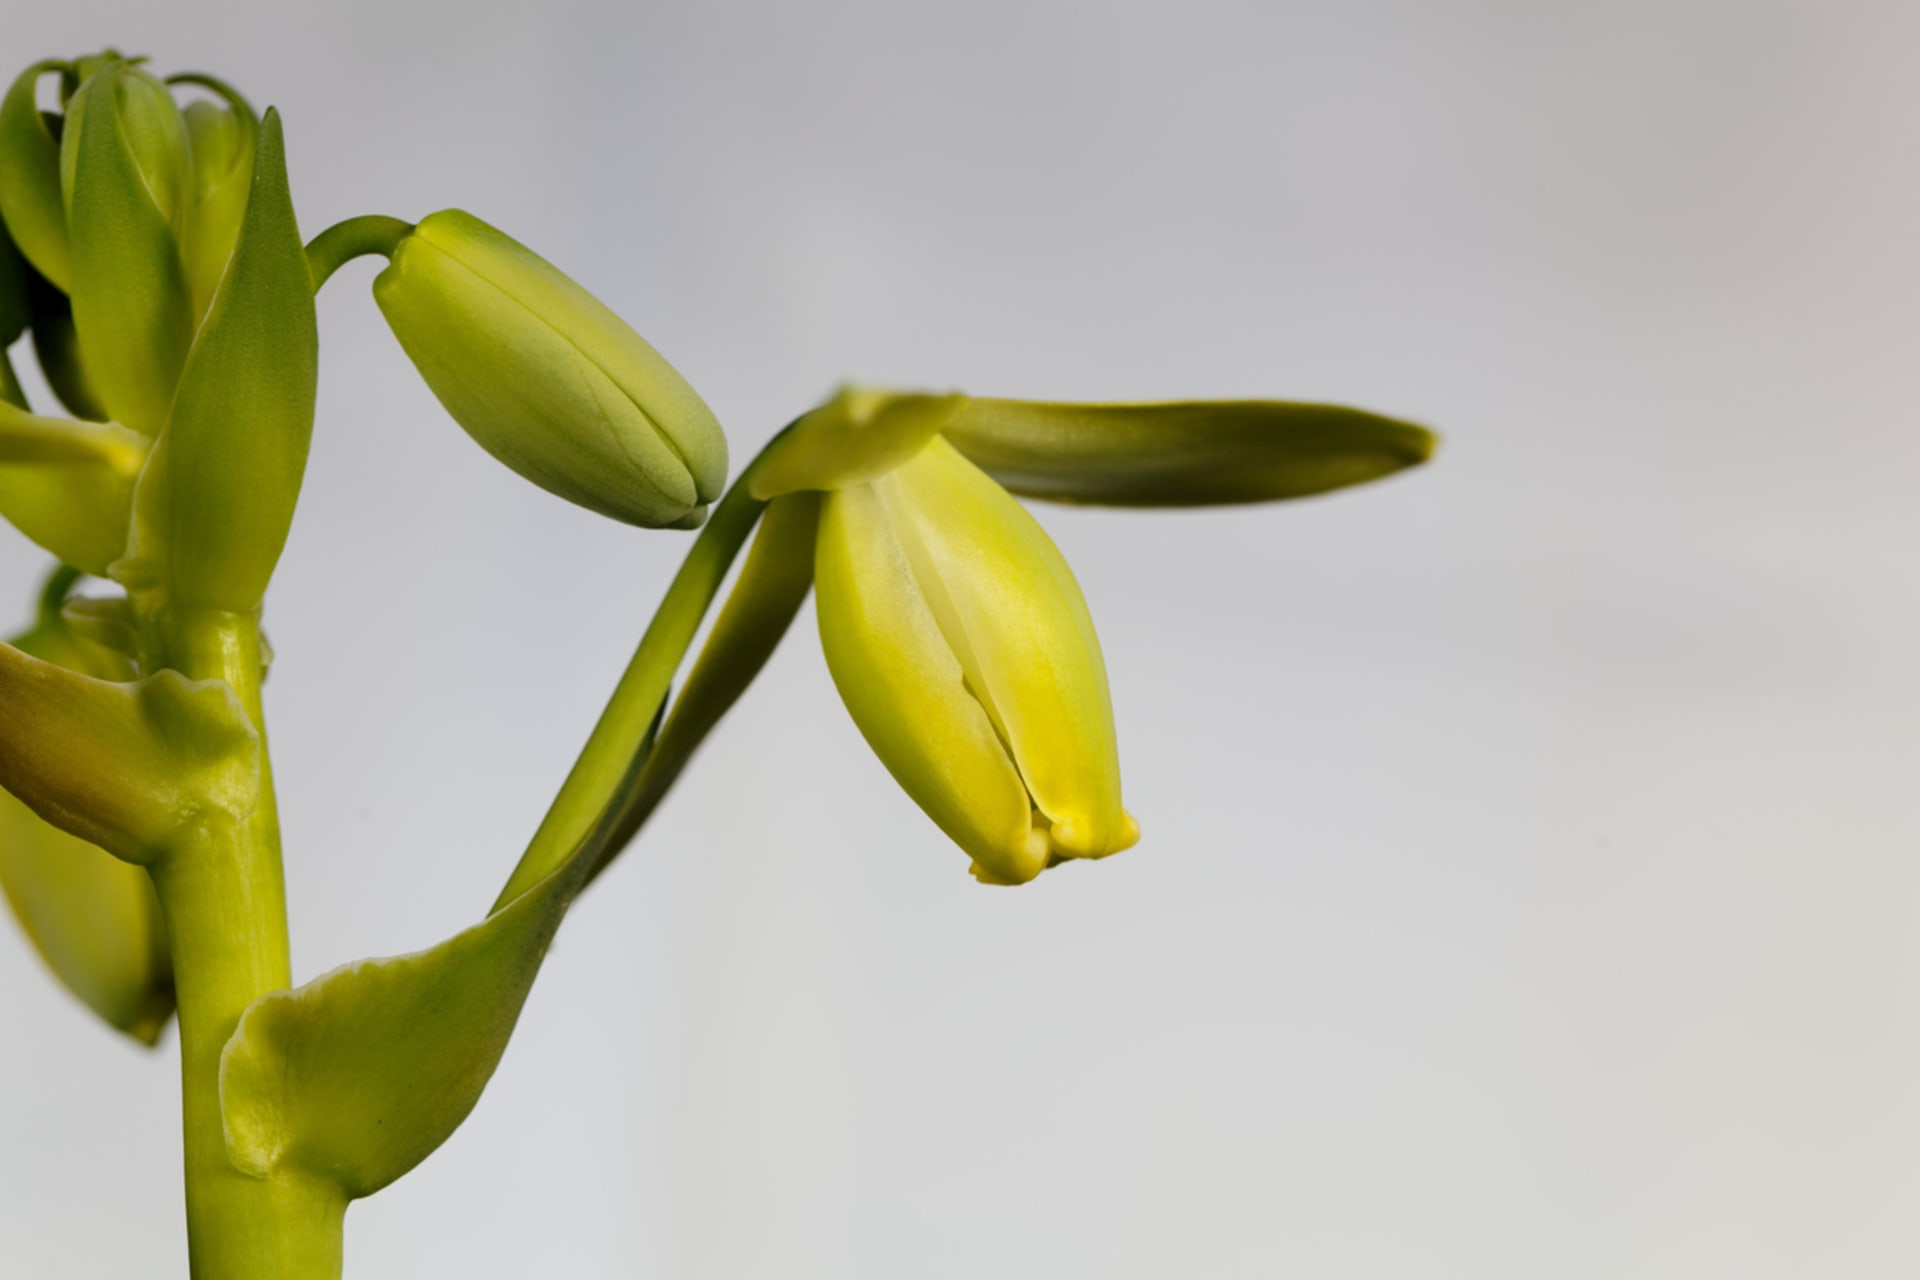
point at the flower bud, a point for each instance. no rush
(223, 135)
(152, 128)
(547, 379)
(216, 499)
(125, 178)
(963, 649)
(93, 918)
(30, 197)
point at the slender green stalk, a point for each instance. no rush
(593, 784)
(224, 897)
(342, 242)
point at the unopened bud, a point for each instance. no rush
(547, 379)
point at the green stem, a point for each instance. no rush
(53, 596)
(224, 897)
(606, 762)
(234, 99)
(342, 242)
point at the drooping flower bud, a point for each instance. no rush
(547, 379)
(964, 650)
(93, 918)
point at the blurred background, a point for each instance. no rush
(1529, 882)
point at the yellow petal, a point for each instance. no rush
(1013, 616)
(907, 692)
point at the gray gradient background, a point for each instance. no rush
(1529, 883)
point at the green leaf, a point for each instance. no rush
(217, 501)
(69, 485)
(361, 1074)
(1181, 454)
(30, 198)
(131, 304)
(94, 919)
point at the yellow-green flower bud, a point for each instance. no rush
(963, 649)
(30, 198)
(151, 125)
(124, 172)
(217, 497)
(547, 379)
(222, 137)
(93, 918)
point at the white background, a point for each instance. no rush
(1529, 885)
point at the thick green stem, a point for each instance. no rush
(224, 897)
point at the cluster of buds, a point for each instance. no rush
(125, 205)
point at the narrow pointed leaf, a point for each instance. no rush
(1177, 454)
(217, 502)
